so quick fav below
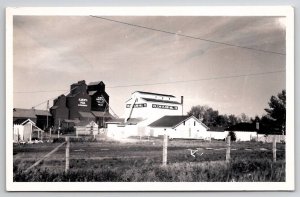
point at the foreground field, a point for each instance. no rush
(141, 161)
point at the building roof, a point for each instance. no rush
(92, 92)
(100, 114)
(23, 121)
(217, 129)
(54, 107)
(133, 121)
(151, 93)
(168, 121)
(86, 114)
(95, 83)
(244, 126)
(29, 113)
(23, 113)
(160, 101)
(39, 112)
(116, 120)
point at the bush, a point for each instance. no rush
(232, 136)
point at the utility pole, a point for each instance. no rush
(47, 114)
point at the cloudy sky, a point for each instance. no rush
(51, 52)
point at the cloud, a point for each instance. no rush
(55, 51)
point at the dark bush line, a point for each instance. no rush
(239, 170)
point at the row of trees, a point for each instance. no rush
(212, 118)
(274, 118)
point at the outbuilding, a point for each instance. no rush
(187, 127)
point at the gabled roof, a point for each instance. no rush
(173, 121)
(151, 93)
(168, 121)
(23, 113)
(23, 122)
(29, 113)
(160, 101)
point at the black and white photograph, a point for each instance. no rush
(153, 99)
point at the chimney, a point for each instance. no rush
(181, 100)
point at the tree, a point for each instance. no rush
(206, 114)
(276, 113)
(244, 118)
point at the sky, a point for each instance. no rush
(52, 52)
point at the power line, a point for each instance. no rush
(186, 36)
(171, 82)
(203, 79)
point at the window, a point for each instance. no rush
(128, 106)
(183, 122)
(194, 123)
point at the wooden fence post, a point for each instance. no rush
(67, 154)
(228, 140)
(50, 133)
(165, 149)
(274, 148)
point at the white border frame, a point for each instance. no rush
(286, 11)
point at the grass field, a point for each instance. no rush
(141, 161)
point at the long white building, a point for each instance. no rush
(151, 106)
(143, 109)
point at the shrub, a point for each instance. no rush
(232, 136)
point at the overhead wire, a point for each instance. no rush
(186, 36)
(172, 82)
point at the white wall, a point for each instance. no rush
(217, 135)
(245, 136)
(191, 128)
(149, 112)
(18, 133)
(186, 130)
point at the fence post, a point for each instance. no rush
(228, 140)
(67, 154)
(165, 149)
(274, 148)
(50, 133)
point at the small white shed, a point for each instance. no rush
(184, 127)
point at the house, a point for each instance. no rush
(41, 118)
(187, 127)
(23, 131)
